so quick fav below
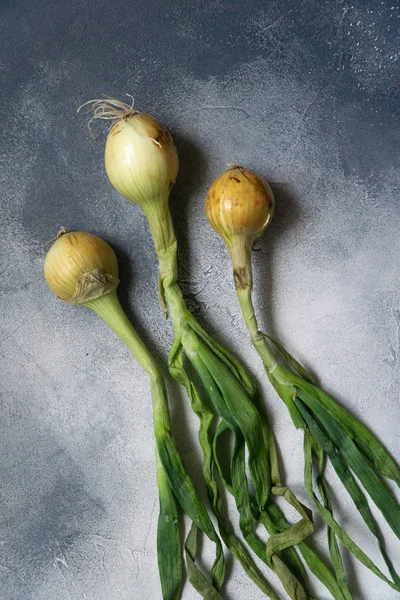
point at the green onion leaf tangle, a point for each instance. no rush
(142, 164)
(239, 206)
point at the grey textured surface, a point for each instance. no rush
(303, 92)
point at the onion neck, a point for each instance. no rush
(240, 251)
(165, 244)
(160, 223)
(110, 310)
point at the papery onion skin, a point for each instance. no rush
(239, 203)
(141, 159)
(74, 255)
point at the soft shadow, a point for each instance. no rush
(351, 570)
(287, 216)
(127, 283)
(192, 169)
(178, 401)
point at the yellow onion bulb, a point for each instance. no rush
(80, 267)
(239, 203)
(141, 159)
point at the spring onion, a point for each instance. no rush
(142, 164)
(239, 207)
(82, 269)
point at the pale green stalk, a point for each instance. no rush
(173, 480)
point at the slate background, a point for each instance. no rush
(306, 93)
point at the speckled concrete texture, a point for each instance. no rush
(306, 93)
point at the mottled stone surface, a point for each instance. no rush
(303, 92)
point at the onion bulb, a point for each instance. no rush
(80, 267)
(239, 203)
(239, 206)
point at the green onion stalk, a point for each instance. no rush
(239, 207)
(82, 269)
(142, 164)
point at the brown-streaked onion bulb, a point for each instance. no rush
(239, 203)
(141, 159)
(80, 267)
